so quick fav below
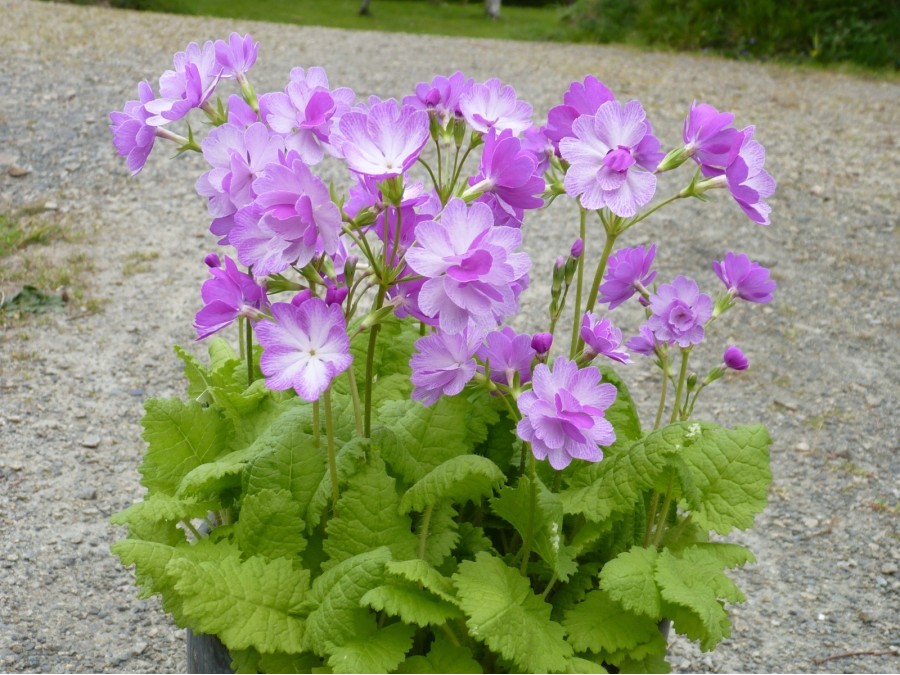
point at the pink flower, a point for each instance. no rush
(562, 416)
(189, 86)
(748, 182)
(601, 337)
(679, 312)
(228, 295)
(443, 364)
(306, 347)
(493, 105)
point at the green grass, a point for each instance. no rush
(464, 19)
(18, 231)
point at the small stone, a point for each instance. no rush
(51, 206)
(820, 617)
(880, 581)
(802, 446)
(16, 171)
(87, 494)
(810, 523)
(91, 441)
(889, 568)
(866, 617)
(15, 419)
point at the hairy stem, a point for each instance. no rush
(579, 280)
(332, 456)
(598, 277)
(532, 505)
(370, 361)
(423, 534)
(248, 327)
(682, 375)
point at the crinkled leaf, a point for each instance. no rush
(270, 525)
(336, 617)
(630, 579)
(421, 572)
(459, 479)
(377, 650)
(581, 665)
(731, 472)
(443, 657)
(414, 439)
(180, 437)
(513, 505)
(505, 614)
(600, 624)
(160, 507)
(215, 477)
(367, 516)
(443, 533)
(622, 414)
(251, 603)
(349, 457)
(280, 662)
(694, 579)
(412, 604)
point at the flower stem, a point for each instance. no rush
(682, 375)
(662, 394)
(248, 327)
(582, 232)
(598, 277)
(354, 396)
(370, 361)
(332, 456)
(532, 505)
(664, 512)
(317, 431)
(651, 517)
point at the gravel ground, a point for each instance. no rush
(72, 383)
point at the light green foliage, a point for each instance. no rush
(270, 525)
(251, 603)
(411, 603)
(443, 657)
(180, 437)
(505, 614)
(161, 507)
(599, 624)
(629, 579)
(443, 533)
(373, 650)
(512, 505)
(349, 458)
(622, 414)
(367, 516)
(459, 479)
(425, 575)
(216, 476)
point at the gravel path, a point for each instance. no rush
(823, 378)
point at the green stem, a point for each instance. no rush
(664, 512)
(370, 361)
(651, 517)
(549, 587)
(423, 535)
(662, 395)
(650, 211)
(354, 396)
(576, 321)
(332, 456)
(450, 635)
(598, 277)
(317, 430)
(532, 505)
(459, 167)
(241, 347)
(682, 375)
(189, 525)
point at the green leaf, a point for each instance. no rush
(337, 618)
(422, 573)
(508, 617)
(630, 579)
(412, 604)
(215, 477)
(580, 665)
(443, 657)
(252, 603)
(514, 504)
(367, 516)
(414, 439)
(600, 624)
(180, 438)
(270, 525)
(459, 479)
(280, 662)
(443, 533)
(731, 472)
(694, 580)
(378, 650)
(159, 507)
(349, 458)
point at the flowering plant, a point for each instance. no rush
(385, 476)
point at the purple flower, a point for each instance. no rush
(734, 358)
(237, 156)
(237, 56)
(384, 141)
(132, 135)
(644, 343)
(305, 112)
(604, 170)
(291, 220)
(744, 278)
(580, 99)
(240, 114)
(229, 294)
(535, 141)
(601, 337)
(440, 96)
(679, 312)
(748, 182)
(212, 260)
(562, 416)
(577, 248)
(541, 343)
(187, 87)
(493, 105)
(305, 348)
(507, 178)
(507, 353)
(443, 364)
(471, 266)
(710, 139)
(627, 271)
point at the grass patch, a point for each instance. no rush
(23, 229)
(138, 262)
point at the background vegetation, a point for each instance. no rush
(862, 32)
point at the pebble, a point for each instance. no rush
(16, 171)
(91, 441)
(889, 568)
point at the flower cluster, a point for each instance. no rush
(442, 247)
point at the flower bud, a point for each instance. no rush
(734, 358)
(301, 297)
(577, 248)
(674, 159)
(541, 342)
(336, 295)
(212, 260)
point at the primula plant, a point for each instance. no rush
(383, 475)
